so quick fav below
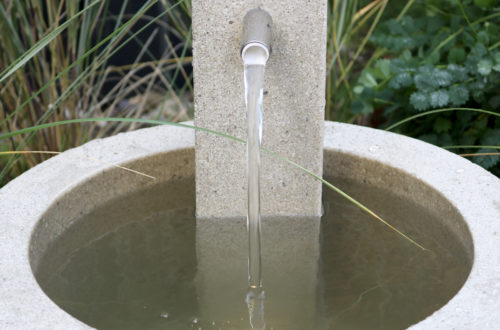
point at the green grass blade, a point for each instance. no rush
(77, 82)
(346, 196)
(24, 152)
(459, 31)
(5, 19)
(439, 111)
(479, 154)
(158, 122)
(112, 119)
(21, 61)
(471, 147)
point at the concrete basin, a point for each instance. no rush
(37, 207)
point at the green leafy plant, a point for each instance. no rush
(446, 57)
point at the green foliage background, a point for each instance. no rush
(440, 54)
(387, 60)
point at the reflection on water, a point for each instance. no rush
(143, 274)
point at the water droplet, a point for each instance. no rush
(213, 322)
(195, 320)
(164, 315)
(374, 148)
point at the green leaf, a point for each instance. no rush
(358, 89)
(458, 72)
(486, 161)
(423, 82)
(485, 66)
(367, 79)
(484, 37)
(401, 80)
(410, 25)
(445, 139)
(433, 58)
(439, 98)
(394, 27)
(406, 56)
(456, 56)
(458, 95)
(441, 125)
(496, 58)
(420, 101)
(434, 23)
(468, 38)
(465, 119)
(441, 78)
(429, 138)
(477, 88)
(479, 50)
(361, 107)
(480, 124)
(467, 140)
(384, 67)
(398, 65)
(491, 137)
(485, 3)
(494, 102)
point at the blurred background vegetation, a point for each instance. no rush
(387, 60)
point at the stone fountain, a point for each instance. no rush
(50, 199)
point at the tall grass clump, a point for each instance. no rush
(66, 59)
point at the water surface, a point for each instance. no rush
(142, 275)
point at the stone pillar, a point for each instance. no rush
(293, 118)
(293, 107)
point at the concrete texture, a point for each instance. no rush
(293, 106)
(466, 197)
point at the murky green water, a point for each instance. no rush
(142, 275)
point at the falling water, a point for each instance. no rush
(254, 81)
(254, 84)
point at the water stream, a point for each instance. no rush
(254, 83)
(254, 69)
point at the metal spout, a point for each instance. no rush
(257, 36)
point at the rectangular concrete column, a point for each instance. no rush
(293, 106)
(293, 127)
